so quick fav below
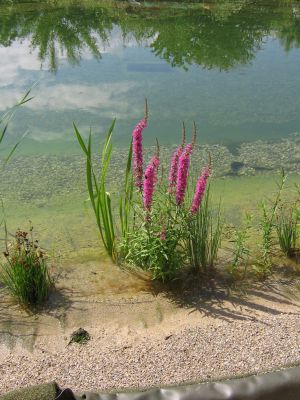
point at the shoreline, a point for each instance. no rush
(148, 340)
(191, 355)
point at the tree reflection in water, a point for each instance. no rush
(220, 34)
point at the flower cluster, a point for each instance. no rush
(150, 181)
(200, 189)
(174, 170)
(178, 173)
(137, 146)
(182, 174)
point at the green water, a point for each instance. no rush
(231, 66)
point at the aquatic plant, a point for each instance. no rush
(25, 272)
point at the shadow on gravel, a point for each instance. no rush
(217, 301)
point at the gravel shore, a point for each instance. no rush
(126, 359)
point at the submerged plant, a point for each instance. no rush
(25, 272)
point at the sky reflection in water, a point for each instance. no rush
(232, 67)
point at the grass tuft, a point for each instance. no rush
(25, 272)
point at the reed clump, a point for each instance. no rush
(25, 272)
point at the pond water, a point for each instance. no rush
(231, 66)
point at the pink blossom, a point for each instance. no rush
(155, 161)
(137, 149)
(174, 169)
(200, 189)
(182, 175)
(150, 179)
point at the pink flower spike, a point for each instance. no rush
(182, 175)
(137, 150)
(150, 180)
(174, 170)
(155, 162)
(200, 189)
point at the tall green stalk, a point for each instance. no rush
(126, 199)
(100, 198)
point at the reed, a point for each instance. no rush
(5, 120)
(99, 196)
(204, 232)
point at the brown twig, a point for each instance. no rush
(183, 135)
(194, 133)
(146, 110)
(157, 148)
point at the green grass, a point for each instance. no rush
(204, 232)
(287, 229)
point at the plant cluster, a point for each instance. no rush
(276, 230)
(164, 225)
(25, 272)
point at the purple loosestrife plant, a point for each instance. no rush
(200, 189)
(174, 170)
(137, 151)
(182, 174)
(150, 180)
(156, 230)
(174, 164)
